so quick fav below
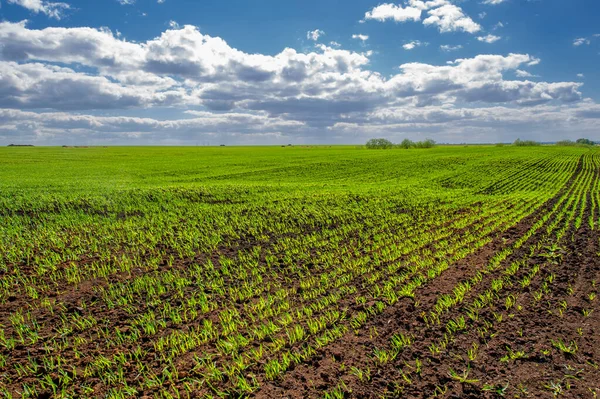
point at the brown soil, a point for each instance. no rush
(71, 296)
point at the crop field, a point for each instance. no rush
(299, 272)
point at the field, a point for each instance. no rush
(299, 272)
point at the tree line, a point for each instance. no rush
(383, 144)
(578, 143)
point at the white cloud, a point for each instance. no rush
(314, 34)
(489, 38)
(493, 2)
(63, 128)
(413, 44)
(36, 85)
(444, 124)
(524, 74)
(450, 18)
(51, 9)
(87, 46)
(206, 65)
(363, 38)
(493, 124)
(585, 40)
(580, 75)
(477, 80)
(126, 2)
(220, 77)
(312, 91)
(448, 48)
(446, 16)
(396, 13)
(427, 5)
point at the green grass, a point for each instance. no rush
(101, 170)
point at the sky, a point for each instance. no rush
(271, 72)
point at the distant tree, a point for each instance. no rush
(525, 143)
(566, 143)
(379, 144)
(585, 142)
(406, 143)
(427, 143)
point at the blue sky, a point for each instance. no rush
(271, 72)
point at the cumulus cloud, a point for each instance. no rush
(491, 124)
(87, 46)
(450, 18)
(478, 80)
(389, 11)
(62, 128)
(207, 69)
(585, 40)
(427, 5)
(36, 85)
(360, 37)
(524, 74)
(443, 14)
(448, 47)
(314, 34)
(52, 9)
(445, 124)
(489, 38)
(414, 44)
(288, 92)
(581, 40)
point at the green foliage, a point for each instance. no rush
(579, 142)
(566, 143)
(427, 143)
(379, 144)
(525, 143)
(405, 144)
(585, 142)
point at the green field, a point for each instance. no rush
(299, 272)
